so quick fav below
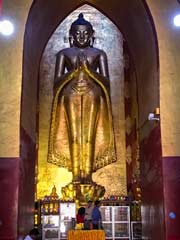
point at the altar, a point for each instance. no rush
(86, 235)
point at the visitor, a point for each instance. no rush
(88, 216)
(33, 234)
(96, 216)
(80, 215)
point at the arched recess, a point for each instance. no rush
(135, 23)
(106, 33)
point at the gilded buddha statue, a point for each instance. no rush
(81, 132)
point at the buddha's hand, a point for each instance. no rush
(82, 60)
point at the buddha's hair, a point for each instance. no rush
(81, 21)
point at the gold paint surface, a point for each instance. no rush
(82, 193)
(83, 122)
(107, 35)
(168, 42)
(11, 76)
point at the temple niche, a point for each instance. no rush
(109, 39)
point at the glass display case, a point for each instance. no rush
(56, 226)
(50, 227)
(67, 213)
(116, 222)
(136, 230)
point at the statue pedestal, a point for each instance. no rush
(82, 192)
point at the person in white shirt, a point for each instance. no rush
(33, 234)
(88, 216)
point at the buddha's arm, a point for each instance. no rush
(60, 68)
(103, 65)
(103, 68)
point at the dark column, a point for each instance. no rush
(171, 172)
(9, 180)
(26, 184)
(152, 186)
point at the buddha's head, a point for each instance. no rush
(81, 32)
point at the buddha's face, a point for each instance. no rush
(81, 35)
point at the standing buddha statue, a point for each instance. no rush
(81, 132)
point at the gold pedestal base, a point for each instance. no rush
(82, 192)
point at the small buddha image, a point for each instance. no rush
(54, 194)
(68, 192)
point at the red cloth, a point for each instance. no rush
(80, 218)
